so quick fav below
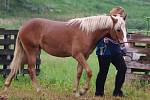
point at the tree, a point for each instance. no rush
(7, 4)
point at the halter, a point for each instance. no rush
(115, 42)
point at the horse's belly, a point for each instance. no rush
(58, 52)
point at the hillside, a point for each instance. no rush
(66, 9)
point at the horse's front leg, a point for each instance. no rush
(76, 87)
(82, 61)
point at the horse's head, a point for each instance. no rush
(119, 33)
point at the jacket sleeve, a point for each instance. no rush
(114, 48)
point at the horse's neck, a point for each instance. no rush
(93, 38)
(97, 36)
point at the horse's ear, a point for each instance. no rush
(125, 17)
(114, 19)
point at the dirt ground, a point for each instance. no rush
(51, 95)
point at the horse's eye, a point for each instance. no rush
(118, 30)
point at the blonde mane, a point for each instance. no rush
(90, 24)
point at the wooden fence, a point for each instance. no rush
(139, 54)
(7, 47)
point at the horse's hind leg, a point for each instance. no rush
(31, 56)
(11, 75)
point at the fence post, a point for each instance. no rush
(5, 66)
(148, 25)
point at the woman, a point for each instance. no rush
(110, 52)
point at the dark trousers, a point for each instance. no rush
(104, 63)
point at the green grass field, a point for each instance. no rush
(57, 77)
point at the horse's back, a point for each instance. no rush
(52, 36)
(39, 26)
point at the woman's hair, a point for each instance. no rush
(118, 10)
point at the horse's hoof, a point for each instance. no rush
(82, 92)
(42, 93)
(3, 97)
(77, 94)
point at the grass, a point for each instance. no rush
(57, 77)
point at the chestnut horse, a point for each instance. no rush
(76, 38)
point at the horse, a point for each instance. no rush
(75, 38)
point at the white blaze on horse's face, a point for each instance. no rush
(120, 29)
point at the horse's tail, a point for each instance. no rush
(18, 56)
(16, 62)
